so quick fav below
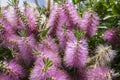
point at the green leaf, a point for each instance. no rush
(116, 9)
(13, 2)
(22, 33)
(43, 33)
(109, 17)
(5, 53)
(16, 1)
(79, 34)
(36, 52)
(48, 63)
(76, 1)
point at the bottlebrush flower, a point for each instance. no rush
(99, 73)
(54, 21)
(10, 16)
(6, 27)
(104, 55)
(40, 70)
(49, 48)
(76, 53)
(36, 73)
(10, 41)
(12, 70)
(89, 23)
(53, 72)
(111, 36)
(26, 46)
(30, 15)
(64, 36)
(6, 77)
(67, 12)
(19, 22)
(19, 13)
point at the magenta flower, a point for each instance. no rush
(13, 71)
(6, 28)
(52, 18)
(31, 17)
(4, 76)
(64, 36)
(76, 53)
(89, 23)
(26, 46)
(38, 72)
(54, 21)
(9, 15)
(99, 73)
(12, 18)
(49, 48)
(111, 36)
(67, 12)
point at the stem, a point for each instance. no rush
(90, 3)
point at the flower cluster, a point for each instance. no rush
(55, 52)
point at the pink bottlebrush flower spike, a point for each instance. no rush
(11, 41)
(12, 18)
(13, 71)
(76, 53)
(30, 15)
(26, 46)
(38, 72)
(111, 36)
(99, 73)
(67, 12)
(49, 48)
(51, 72)
(54, 21)
(64, 36)
(6, 25)
(89, 23)
(4, 76)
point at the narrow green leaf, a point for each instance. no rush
(76, 1)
